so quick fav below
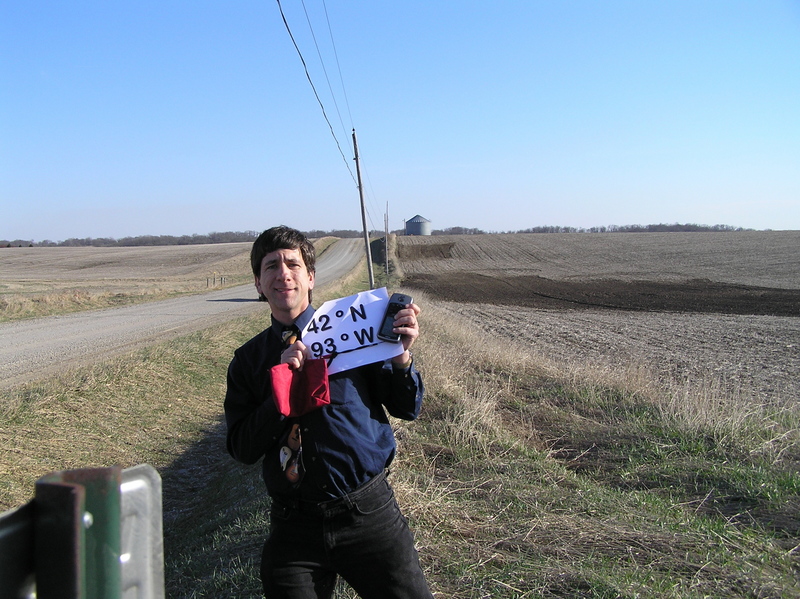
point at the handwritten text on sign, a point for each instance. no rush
(345, 331)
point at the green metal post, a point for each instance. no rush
(16, 552)
(77, 534)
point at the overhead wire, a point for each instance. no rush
(322, 63)
(346, 100)
(313, 87)
(344, 93)
(330, 89)
(336, 57)
(369, 196)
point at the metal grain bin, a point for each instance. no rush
(418, 226)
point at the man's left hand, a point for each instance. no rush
(406, 325)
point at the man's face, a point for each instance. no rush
(285, 282)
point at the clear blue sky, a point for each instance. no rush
(172, 118)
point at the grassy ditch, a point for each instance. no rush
(529, 478)
(522, 477)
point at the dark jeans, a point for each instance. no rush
(363, 537)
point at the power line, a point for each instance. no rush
(370, 195)
(316, 95)
(344, 92)
(338, 66)
(322, 62)
(313, 87)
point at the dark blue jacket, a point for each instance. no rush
(344, 444)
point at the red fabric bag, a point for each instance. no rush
(297, 392)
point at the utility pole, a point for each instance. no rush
(363, 213)
(386, 239)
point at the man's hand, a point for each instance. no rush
(295, 355)
(407, 326)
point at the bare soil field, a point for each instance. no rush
(713, 309)
(757, 258)
(119, 269)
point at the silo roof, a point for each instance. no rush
(418, 219)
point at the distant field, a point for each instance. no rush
(752, 258)
(718, 309)
(118, 269)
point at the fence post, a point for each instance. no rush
(16, 553)
(87, 534)
(78, 533)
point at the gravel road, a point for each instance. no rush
(33, 349)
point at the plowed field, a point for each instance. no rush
(712, 309)
(118, 269)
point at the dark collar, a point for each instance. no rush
(300, 322)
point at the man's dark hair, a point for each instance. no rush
(282, 238)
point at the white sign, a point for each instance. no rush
(345, 331)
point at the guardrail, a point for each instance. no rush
(86, 534)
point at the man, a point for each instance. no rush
(333, 511)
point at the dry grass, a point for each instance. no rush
(148, 406)
(525, 476)
(528, 477)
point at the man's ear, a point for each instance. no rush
(310, 287)
(258, 284)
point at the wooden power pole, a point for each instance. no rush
(363, 213)
(386, 240)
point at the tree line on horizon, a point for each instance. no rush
(249, 236)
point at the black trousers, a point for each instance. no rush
(361, 537)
